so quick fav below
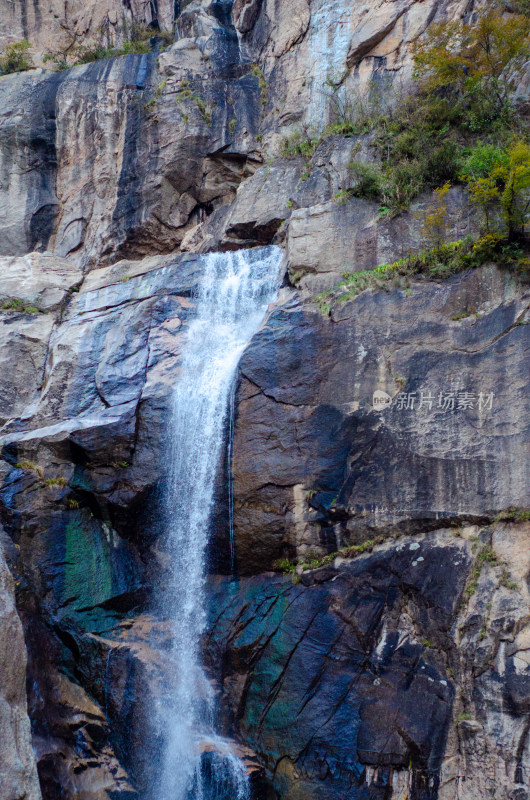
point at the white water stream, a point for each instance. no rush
(231, 302)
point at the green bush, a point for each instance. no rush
(16, 58)
(368, 180)
(470, 66)
(136, 47)
(59, 60)
(86, 55)
(137, 42)
(284, 565)
(501, 177)
(404, 181)
(482, 159)
(16, 304)
(299, 144)
(464, 77)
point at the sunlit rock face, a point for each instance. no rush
(129, 156)
(111, 164)
(322, 56)
(55, 26)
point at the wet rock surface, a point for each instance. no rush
(81, 471)
(327, 469)
(330, 676)
(392, 675)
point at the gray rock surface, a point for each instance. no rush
(58, 27)
(18, 771)
(127, 157)
(316, 466)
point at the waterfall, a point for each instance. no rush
(231, 302)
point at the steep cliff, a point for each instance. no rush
(18, 772)
(390, 660)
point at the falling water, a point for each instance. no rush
(231, 301)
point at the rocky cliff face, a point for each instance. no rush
(55, 26)
(18, 771)
(391, 652)
(394, 664)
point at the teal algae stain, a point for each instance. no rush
(80, 480)
(267, 674)
(87, 578)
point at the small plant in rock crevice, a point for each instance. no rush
(16, 58)
(155, 96)
(461, 315)
(513, 515)
(438, 263)
(61, 482)
(30, 466)
(187, 93)
(507, 582)
(487, 555)
(284, 566)
(312, 562)
(257, 72)
(19, 305)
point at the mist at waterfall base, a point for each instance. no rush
(230, 304)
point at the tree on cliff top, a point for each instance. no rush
(474, 65)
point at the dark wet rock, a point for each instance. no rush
(347, 676)
(81, 474)
(369, 677)
(326, 469)
(158, 155)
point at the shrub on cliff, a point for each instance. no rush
(16, 58)
(85, 55)
(469, 69)
(500, 178)
(464, 75)
(138, 40)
